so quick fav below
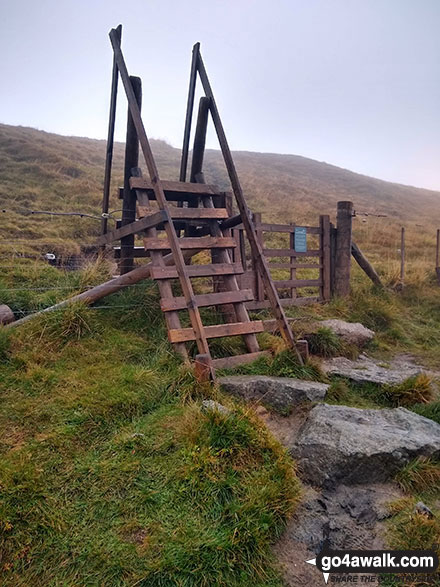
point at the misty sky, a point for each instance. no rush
(355, 83)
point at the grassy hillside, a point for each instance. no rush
(40, 170)
(111, 471)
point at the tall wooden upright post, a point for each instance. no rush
(200, 141)
(129, 197)
(343, 249)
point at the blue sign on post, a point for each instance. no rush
(301, 239)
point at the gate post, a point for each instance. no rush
(343, 249)
(325, 271)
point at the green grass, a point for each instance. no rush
(110, 471)
(325, 343)
(283, 364)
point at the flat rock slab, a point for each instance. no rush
(281, 393)
(365, 370)
(338, 444)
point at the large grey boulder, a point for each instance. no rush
(351, 332)
(337, 444)
(281, 393)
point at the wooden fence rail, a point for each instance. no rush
(285, 263)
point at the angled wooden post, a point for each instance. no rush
(126, 263)
(343, 249)
(110, 140)
(189, 112)
(256, 217)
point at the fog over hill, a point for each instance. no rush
(40, 170)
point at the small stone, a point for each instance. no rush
(209, 405)
(351, 332)
(421, 508)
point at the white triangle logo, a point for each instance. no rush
(312, 561)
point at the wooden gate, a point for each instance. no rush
(298, 257)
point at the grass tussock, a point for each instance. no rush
(414, 390)
(325, 343)
(283, 364)
(420, 476)
(430, 410)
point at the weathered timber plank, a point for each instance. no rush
(217, 331)
(178, 187)
(132, 228)
(205, 242)
(211, 299)
(290, 253)
(198, 270)
(267, 227)
(198, 213)
(227, 362)
(298, 283)
(285, 302)
(295, 265)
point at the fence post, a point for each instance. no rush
(324, 223)
(292, 260)
(402, 256)
(343, 249)
(333, 232)
(437, 256)
(129, 197)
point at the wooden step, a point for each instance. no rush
(204, 242)
(198, 213)
(211, 299)
(177, 190)
(198, 270)
(217, 331)
(234, 361)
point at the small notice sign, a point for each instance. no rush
(301, 239)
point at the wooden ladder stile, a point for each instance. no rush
(206, 219)
(193, 311)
